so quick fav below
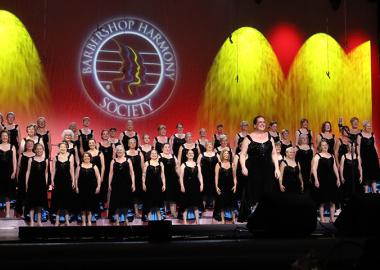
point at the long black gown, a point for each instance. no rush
(240, 140)
(108, 155)
(121, 188)
(87, 184)
(62, 196)
(290, 179)
(6, 169)
(158, 146)
(154, 197)
(284, 147)
(352, 184)
(186, 150)
(13, 135)
(21, 184)
(226, 200)
(328, 190)
(84, 138)
(192, 196)
(208, 173)
(136, 163)
(304, 158)
(370, 160)
(37, 186)
(171, 178)
(177, 142)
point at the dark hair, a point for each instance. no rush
(273, 123)
(354, 119)
(87, 153)
(303, 120)
(65, 143)
(112, 129)
(38, 144)
(324, 126)
(4, 131)
(257, 118)
(219, 125)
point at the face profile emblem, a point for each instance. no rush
(128, 68)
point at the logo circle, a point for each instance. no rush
(128, 68)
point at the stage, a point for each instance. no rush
(221, 245)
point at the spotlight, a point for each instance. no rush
(230, 38)
(328, 74)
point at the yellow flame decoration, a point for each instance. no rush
(23, 86)
(307, 92)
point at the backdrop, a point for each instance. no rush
(196, 62)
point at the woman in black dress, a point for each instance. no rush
(273, 131)
(31, 135)
(327, 135)
(207, 162)
(121, 185)
(75, 139)
(305, 130)
(14, 131)
(129, 134)
(161, 139)
(22, 167)
(369, 156)
(87, 183)
(188, 145)
(153, 182)
(171, 168)
(37, 184)
(202, 141)
(137, 160)
(242, 180)
(285, 141)
(146, 147)
(73, 149)
(291, 178)
(8, 167)
(177, 139)
(219, 132)
(85, 134)
(225, 185)
(304, 157)
(63, 183)
(107, 149)
(113, 140)
(224, 145)
(351, 173)
(241, 135)
(326, 179)
(261, 165)
(44, 134)
(191, 183)
(342, 144)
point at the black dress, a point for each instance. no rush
(290, 179)
(304, 158)
(219, 151)
(276, 138)
(108, 155)
(309, 137)
(121, 188)
(370, 160)
(6, 169)
(126, 138)
(171, 178)
(177, 142)
(260, 169)
(21, 183)
(45, 142)
(216, 142)
(328, 190)
(37, 186)
(158, 145)
(226, 199)
(240, 140)
(186, 150)
(202, 147)
(208, 173)
(13, 136)
(84, 138)
(146, 155)
(352, 184)
(62, 196)
(154, 197)
(284, 147)
(241, 182)
(136, 163)
(330, 142)
(192, 196)
(343, 149)
(87, 184)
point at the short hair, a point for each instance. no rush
(188, 134)
(219, 126)
(273, 123)
(11, 113)
(354, 119)
(303, 120)
(63, 142)
(160, 127)
(323, 128)
(67, 132)
(366, 123)
(86, 118)
(244, 123)
(284, 131)
(88, 154)
(6, 132)
(33, 125)
(301, 136)
(119, 147)
(38, 144)
(179, 124)
(222, 154)
(112, 129)
(132, 140)
(257, 118)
